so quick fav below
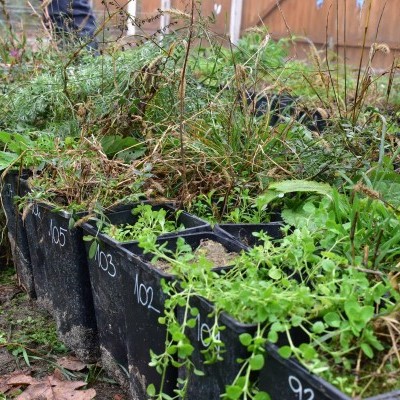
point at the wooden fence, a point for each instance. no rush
(343, 26)
(336, 24)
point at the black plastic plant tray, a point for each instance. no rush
(139, 343)
(108, 281)
(244, 232)
(17, 231)
(193, 239)
(68, 281)
(287, 379)
(33, 226)
(222, 373)
(148, 305)
(123, 215)
(128, 301)
(62, 278)
(131, 288)
(36, 251)
(144, 304)
(280, 378)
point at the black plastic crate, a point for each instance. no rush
(108, 282)
(130, 286)
(61, 276)
(67, 283)
(144, 304)
(17, 231)
(244, 232)
(287, 379)
(148, 305)
(280, 378)
(193, 239)
(221, 373)
(123, 215)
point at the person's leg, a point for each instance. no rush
(58, 11)
(74, 17)
(84, 21)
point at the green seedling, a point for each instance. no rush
(149, 222)
(317, 278)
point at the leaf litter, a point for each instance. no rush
(50, 369)
(47, 388)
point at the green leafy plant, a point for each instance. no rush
(315, 280)
(26, 149)
(236, 207)
(149, 222)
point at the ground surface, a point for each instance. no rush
(33, 363)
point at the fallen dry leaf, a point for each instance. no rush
(51, 388)
(10, 382)
(4, 388)
(71, 363)
(37, 391)
(21, 379)
(119, 397)
(58, 375)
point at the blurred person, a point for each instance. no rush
(71, 20)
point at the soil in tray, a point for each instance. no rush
(214, 252)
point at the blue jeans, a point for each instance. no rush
(74, 19)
